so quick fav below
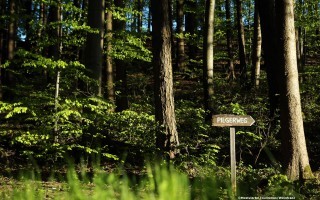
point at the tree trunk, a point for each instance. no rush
(42, 18)
(231, 72)
(269, 45)
(241, 42)
(109, 67)
(180, 40)
(164, 101)
(121, 66)
(256, 50)
(2, 33)
(56, 104)
(12, 30)
(295, 155)
(94, 44)
(55, 17)
(10, 47)
(208, 56)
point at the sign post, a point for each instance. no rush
(233, 159)
(225, 120)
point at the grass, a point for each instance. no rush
(157, 182)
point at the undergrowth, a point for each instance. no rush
(157, 182)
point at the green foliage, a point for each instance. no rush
(88, 126)
(258, 142)
(130, 47)
(198, 147)
(237, 109)
(132, 127)
(266, 182)
(82, 121)
(78, 119)
(308, 21)
(279, 185)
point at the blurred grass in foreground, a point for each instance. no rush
(154, 182)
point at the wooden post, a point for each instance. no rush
(227, 120)
(233, 159)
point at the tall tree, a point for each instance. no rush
(109, 66)
(164, 100)
(208, 55)
(256, 49)
(10, 46)
(180, 33)
(229, 41)
(54, 52)
(12, 29)
(42, 20)
(94, 44)
(119, 26)
(241, 42)
(269, 46)
(295, 155)
(2, 34)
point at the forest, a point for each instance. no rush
(117, 99)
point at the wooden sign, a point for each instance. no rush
(232, 120)
(224, 120)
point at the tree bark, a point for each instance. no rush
(12, 29)
(180, 40)
(42, 20)
(256, 49)
(11, 33)
(168, 140)
(269, 46)
(109, 66)
(241, 42)
(2, 33)
(295, 155)
(56, 104)
(208, 56)
(231, 72)
(94, 43)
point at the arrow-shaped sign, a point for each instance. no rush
(232, 120)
